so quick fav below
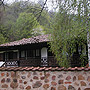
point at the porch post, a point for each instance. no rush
(18, 58)
(26, 54)
(6, 58)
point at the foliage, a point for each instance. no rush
(20, 20)
(2, 39)
(68, 25)
(69, 29)
(25, 24)
(39, 30)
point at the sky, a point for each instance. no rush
(50, 5)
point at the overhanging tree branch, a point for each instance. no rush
(42, 10)
(1, 2)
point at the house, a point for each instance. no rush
(33, 51)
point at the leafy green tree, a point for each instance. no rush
(44, 19)
(69, 29)
(25, 24)
(39, 30)
(16, 13)
(2, 39)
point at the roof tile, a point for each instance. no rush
(43, 68)
(37, 39)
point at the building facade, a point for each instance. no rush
(27, 52)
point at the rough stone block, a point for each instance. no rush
(42, 78)
(53, 77)
(15, 80)
(37, 84)
(46, 86)
(25, 82)
(83, 83)
(47, 75)
(62, 87)
(4, 86)
(35, 77)
(60, 76)
(21, 87)
(28, 87)
(68, 77)
(23, 77)
(2, 74)
(13, 74)
(46, 80)
(88, 79)
(8, 80)
(80, 77)
(68, 82)
(3, 80)
(74, 78)
(14, 85)
(60, 82)
(53, 83)
(70, 87)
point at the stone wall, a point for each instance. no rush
(45, 80)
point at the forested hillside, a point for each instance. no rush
(23, 19)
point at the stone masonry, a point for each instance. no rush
(45, 80)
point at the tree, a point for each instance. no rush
(69, 29)
(25, 24)
(2, 39)
(39, 30)
(11, 20)
(1, 2)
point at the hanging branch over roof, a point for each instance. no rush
(1, 2)
(42, 10)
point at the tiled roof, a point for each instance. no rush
(43, 69)
(37, 39)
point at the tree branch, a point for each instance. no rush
(42, 10)
(2, 2)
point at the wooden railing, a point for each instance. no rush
(30, 61)
(38, 62)
(52, 61)
(11, 63)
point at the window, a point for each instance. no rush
(33, 53)
(14, 55)
(1, 56)
(29, 53)
(10, 55)
(22, 53)
(37, 52)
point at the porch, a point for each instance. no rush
(30, 61)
